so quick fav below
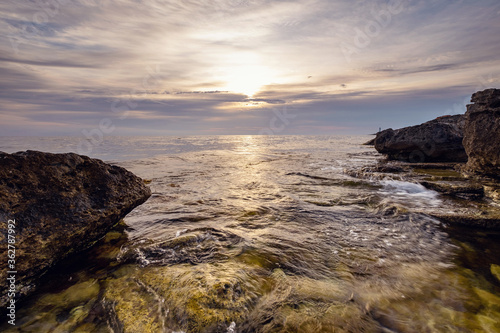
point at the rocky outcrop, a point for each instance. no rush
(438, 140)
(460, 189)
(482, 133)
(61, 204)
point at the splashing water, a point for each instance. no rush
(270, 234)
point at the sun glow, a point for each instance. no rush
(245, 74)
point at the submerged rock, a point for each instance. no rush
(474, 219)
(482, 133)
(438, 140)
(195, 246)
(61, 204)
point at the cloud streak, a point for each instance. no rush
(197, 67)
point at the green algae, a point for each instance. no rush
(61, 312)
(250, 291)
(72, 296)
(197, 298)
(495, 271)
(491, 301)
(440, 174)
(453, 301)
(132, 305)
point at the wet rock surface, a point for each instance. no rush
(61, 204)
(438, 140)
(473, 202)
(482, 133)
(461, 189)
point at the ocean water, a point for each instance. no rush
(268, 234)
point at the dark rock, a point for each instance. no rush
(472, 221)
(61, 204)
(388, 169)
(482, 133)
(438, 140)
(465, 190)
(436, 166)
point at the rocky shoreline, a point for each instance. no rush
(62, 204)
(456, 156)
(438, 140)
(472, 138)
(57, 205)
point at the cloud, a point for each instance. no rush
(231, 62)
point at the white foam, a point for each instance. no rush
(411, 194)
(231, 328)
(180, 232)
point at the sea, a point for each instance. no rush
(267, 234)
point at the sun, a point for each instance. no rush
(244, 73)
(247, 80)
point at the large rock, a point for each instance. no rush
(438, 140)
(482, 133)
(61, 204)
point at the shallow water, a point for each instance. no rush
(270, 234)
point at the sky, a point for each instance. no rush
(246, 67)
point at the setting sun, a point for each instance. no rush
(247, 80)
(250, 166)
(245, 74)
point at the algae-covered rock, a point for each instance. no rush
(461, 189)
(202, 298)
(302, 304)
(453, 300)
(495, 270)
(136, 309)
(60, 312)
(470, 218)
(61, 204)
(194, 246)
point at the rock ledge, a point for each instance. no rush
(438, 140)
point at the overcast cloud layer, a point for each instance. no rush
(163, 67)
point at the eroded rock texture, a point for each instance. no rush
(482, 133)
(438, 140)
(61, 204)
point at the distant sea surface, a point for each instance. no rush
(268, 234)
(115, 148)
